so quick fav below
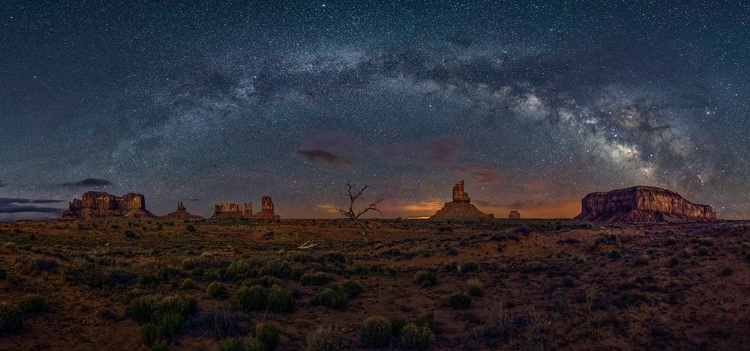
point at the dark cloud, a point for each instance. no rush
(2, 184)
(9, 205)
(88, 182)
(483, 174)
(444, 150)
(322, 156)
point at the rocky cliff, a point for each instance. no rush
(642, 204)
(95, 205)
(181, 213)
(514, 215)
(461, 206)
(266, 210)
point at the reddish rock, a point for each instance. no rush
(266, 210)
(96, 205)
(642, 204)
(514, 215)
(181, 213)
(227, 211)
(461, 206)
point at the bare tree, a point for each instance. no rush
(353, 196)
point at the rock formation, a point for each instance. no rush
(235, 211)
(181, 213)
(461, 206)
(514, 215)
(95, 205)
(642, 204)
(266, 210)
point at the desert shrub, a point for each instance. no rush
(161, 318)
(250, 298)
(568, 282)
(674, 261)
(268, 334)
(475, 287)
(608, 239)
(187, 284)
(239, 269)
(425, 278)
(11, 317)
(97, 273)
(580, 259)
(302, 257)
(147, 279)
(35, 266)
(190, 228)
(352, 288)
(642, 260)
(324, 339)
(280, 299)
(218, 291)
(219, 323)
(269, 281)
(460, 300)
(417, 337)
(332, 296)
(397, 323)
(277, 268)
(469, 266)
(142, 308)
(614, 254)
(703, 251)
(3, 274)
(335, 257)
(728, 270)
(204, 261)
(671, 240)
(375, 332)
(317, 279)
(32, 303)
(240, 344)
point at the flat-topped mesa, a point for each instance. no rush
(99, 205)
(266, 210)
(514, 215)
(181, 213)
(461, 206)
(642, 204)
(227, 210)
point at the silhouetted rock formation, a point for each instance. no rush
(181, 213)
(266, 210)
(514, 215)
(235, 211)
(94, 205)
(461, 206)
(642, 204)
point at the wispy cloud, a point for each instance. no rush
(322, 156)
(88, 182)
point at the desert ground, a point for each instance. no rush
(497, 284)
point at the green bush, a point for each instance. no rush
(333, 297)
(147, 280)
(425, 278)
(161, 318)
(11, 318)
(642, 260)
(469, 266)
(239, 269)
(187, 284)
(325, 339)
(316, 279)
(218, 291)
(671, 240)
(268, 334)
(375, 332)
(240, 344)
(38, 265)
(417, 337)
(250, 298)
(728, 270)
(32, 303)
(614, 254)
(335, 256)
(674, 261)
(460, 300)
(280, 299)
(703, 251)
(475, 287)
(352, 288)
(397, 323)
(3, 274)
(277, 268)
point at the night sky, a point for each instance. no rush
(533, 104)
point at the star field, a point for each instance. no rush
(534, 104)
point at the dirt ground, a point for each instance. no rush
(532, 284)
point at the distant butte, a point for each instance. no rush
(642, 204)
(99, 205)
(181, 213)
(461, 206)
(235, 211)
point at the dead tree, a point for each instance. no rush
(353, 196)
